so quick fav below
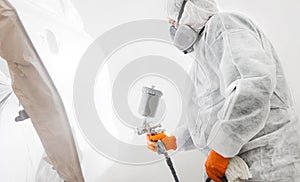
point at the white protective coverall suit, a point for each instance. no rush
(240, 103)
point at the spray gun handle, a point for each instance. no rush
(161, 149)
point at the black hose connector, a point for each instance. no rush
(170, 164)
(208, 180)
(224, 179)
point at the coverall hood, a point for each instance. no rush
(196, 12)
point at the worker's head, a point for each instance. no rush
(187, 18)
(194, 13)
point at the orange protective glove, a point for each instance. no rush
(216, 166)
(169, 142)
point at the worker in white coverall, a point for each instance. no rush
(240, 104)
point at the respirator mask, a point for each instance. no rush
(184, 36)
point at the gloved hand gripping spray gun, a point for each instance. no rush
(148, 106)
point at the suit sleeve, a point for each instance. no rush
(249, 76)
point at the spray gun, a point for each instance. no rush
(148, 107)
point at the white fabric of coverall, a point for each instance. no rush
(240, 103)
